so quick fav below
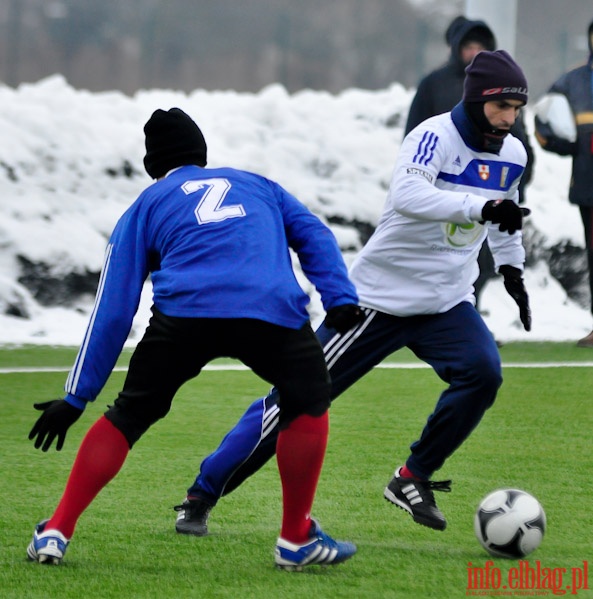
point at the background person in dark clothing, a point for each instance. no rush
(441, 90)
(577, 87)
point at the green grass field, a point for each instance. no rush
(536, 437)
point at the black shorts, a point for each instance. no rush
(174, 350)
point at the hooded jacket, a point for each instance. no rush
(442, 89)
(577, 86)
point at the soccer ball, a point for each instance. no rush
(510, 523)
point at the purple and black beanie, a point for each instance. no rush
(494, 76)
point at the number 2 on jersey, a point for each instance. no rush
(209, 208)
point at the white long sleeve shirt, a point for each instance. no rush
(422, 258)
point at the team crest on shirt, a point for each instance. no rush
(484, 171)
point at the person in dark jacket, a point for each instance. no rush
(577, 87)
(441, 90)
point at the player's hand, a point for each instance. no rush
(57, 417)
(505, 213)
(513, 283)
(343, 318)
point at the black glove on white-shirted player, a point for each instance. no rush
(506, 214)
(513, 283)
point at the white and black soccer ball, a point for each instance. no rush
(510, 523)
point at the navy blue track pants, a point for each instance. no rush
(458, 346)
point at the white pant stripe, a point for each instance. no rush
(338, 344)
(270, 420)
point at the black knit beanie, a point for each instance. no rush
(494, 76)
(172, 139)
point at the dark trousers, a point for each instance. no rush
(587, 218)
(487, 271)
(174, 350)
(458, 346)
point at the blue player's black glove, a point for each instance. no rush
(58, 416)
(343, 318)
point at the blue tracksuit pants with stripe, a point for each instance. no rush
(456, 344)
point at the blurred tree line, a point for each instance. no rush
(248, 44)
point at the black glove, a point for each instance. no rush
(505, 213)
(58, 415)
(343, 318)
(513, 283)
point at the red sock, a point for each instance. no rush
(405, 472)
(100, 457)
(300, 450)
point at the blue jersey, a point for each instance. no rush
(216, 245)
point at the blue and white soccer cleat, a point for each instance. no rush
(320, 550)
(47, 546)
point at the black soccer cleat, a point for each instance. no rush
(192, 518)
(417, 498)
